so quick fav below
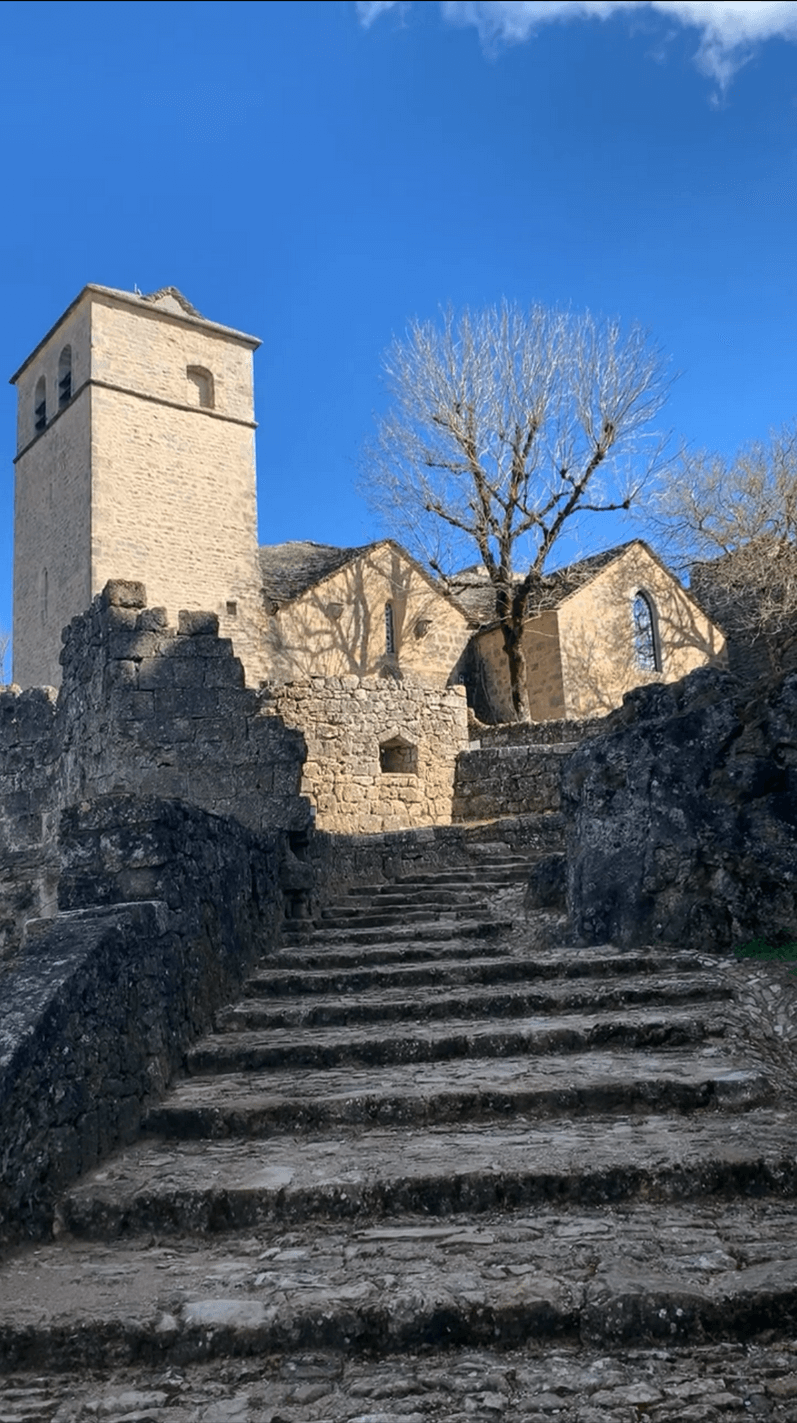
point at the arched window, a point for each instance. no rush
(390, 634)
(40, 406)
(65, 377)
(646, 641)
(202, 382)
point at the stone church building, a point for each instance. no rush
(136, 460)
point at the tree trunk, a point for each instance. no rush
(512, 633)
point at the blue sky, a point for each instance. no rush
(320, 173)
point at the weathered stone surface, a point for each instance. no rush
(96, 1014)
(508, 780)
(683, 819)
(381, 752)
(142, 709)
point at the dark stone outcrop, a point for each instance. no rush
(683, 817)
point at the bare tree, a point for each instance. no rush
(735, 522)
(506, 426)
(5, 643)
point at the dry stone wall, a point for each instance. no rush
(362, 737)
(508, 780)
(335, 863)
(144, 708)
(155, 710)
(99, 1007)
(28, 853)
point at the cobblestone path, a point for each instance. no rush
(427, 1170)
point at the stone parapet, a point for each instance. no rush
(99, 1007)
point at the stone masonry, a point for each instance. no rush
(144, 708)
(381, 753)
(141, 467)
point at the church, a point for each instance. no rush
(136, 460)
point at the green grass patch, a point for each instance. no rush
(769, 953)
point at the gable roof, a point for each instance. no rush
(289, 569)
(169, 298)
(477, 594)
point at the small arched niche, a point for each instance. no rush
(65, 377)
(398, 756)
(201, 388)
(647, 651)
(40, 406)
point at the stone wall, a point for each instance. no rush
(143, 708)
(28, 852)
(337, 627)
(536, 733)
(508, 780)
(338, 862)
(155, 710)
(99, 1008)
(683, 819)
(357, 731)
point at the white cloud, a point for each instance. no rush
(728, 29)
(370, 10)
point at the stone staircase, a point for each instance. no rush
(422, 1171)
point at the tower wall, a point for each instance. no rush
(52, 504)
(147, 472)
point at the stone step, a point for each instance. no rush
(411, 1096)
(453, 1038)
(396, 1005)
(435, 930)
(512, 873)
(444, 896)
(215, 1186)
(376, 917)
(636, 1275)
(559, 1380)
(368, 973)
(340, 953)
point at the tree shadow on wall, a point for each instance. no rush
(339, 627)
(601, 660)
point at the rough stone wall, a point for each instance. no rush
(683, 820)
(155, 710)
(144, 708)
(28, 768)
(97, 1012)
(345, 721)
(337, 628)
(508, 780)
(535, 733)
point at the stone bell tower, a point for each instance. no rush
(135, 460)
